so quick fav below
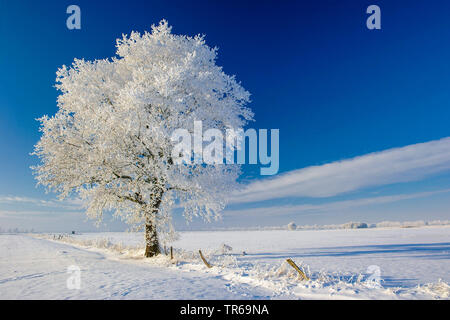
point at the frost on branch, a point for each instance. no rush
(110, 141)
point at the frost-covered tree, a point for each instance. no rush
(110, 140)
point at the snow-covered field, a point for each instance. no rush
(390, 263)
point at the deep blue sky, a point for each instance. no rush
(335, 89)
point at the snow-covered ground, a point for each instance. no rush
(391, 263)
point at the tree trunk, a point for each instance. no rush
(151, 237)
(151, 241)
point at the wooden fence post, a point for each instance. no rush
(300, 272)
(204, 260)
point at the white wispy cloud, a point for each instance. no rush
(330, 206)
(410, 163)
(61, 204)
(31, 214)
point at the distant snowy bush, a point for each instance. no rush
(224, 248)
(354, 225)
(292, 226)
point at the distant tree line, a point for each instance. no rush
(16, 230)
